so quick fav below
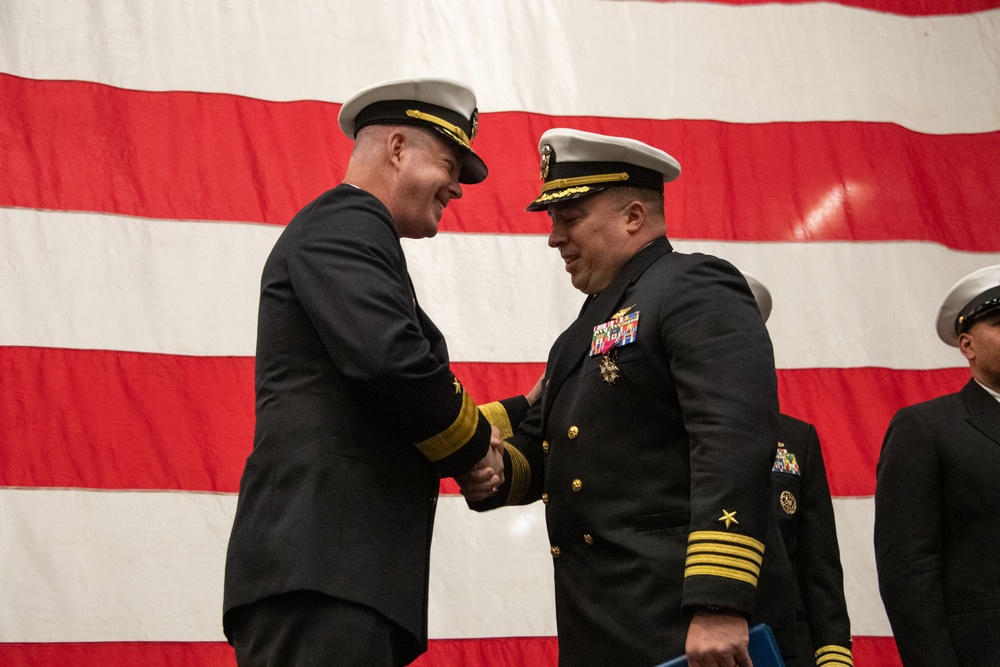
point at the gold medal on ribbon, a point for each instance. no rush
(609, 369)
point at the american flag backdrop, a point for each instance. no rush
(844, 153)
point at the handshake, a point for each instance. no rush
(484, 479)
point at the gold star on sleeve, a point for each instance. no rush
(728, 518)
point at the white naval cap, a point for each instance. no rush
(442, 104)
(972, 297)
(576, 164)
(760, 294)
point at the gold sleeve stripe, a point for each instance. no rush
(719, 536)
(834, 661)
(496, 415)
(726, 572)
(709, 559)
(834, 656)
(520, 475)
(742, 552)
(455, 436)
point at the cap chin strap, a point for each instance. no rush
(985, 303)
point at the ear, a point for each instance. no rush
(394, 144)
(967, 346)
(635, 216)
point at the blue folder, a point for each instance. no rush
(763, 650)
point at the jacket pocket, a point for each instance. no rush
(663, 520)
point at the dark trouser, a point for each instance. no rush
(306, 629)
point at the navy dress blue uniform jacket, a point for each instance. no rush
(639, 475)
(808, 527)
(937, 530)
(358, 417)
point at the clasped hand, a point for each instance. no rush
(718, 640)
(483, 479)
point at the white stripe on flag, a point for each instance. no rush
(855, 535)
(658, 60)
(92, 281)
(148, 566)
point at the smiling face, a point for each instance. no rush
(595, 237)
(427, 180)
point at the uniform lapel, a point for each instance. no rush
(984, 410)
(575, 341)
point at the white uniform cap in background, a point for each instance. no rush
(760, 294)
(973, 296)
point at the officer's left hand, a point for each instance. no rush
(718, 640)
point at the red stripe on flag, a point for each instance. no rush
(122, 420)
(126, 420)
(904, 7)
(118, 654)
(81, 146)
(851, 409)
(520, 651)
(875, 652)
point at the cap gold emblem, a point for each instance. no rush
(475, 125)
(543, 167)
(787, 501)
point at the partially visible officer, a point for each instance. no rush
(937, 499)
(653, 441)
(802, 503)
(358, 413)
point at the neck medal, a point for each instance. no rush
(609, 369)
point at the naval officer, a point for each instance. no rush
(937, 498)
(358, 413)
(804, 510)
(652, 444)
